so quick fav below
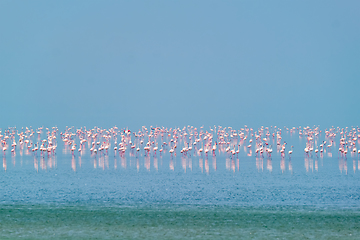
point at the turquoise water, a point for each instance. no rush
(159, 196)
(177, 222)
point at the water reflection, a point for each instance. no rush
(269, 165)
(43, 163)
(183, 163)
(156, 165)
(36, 164)
(206, 165)
(147, 162)
(343, 165)
(4, 163)
(13, 159)
(79, 161)
(171, 164)
(151, 163)
(309, 163)
(354, 165)
(232, 164)
(259, 164)
(123, 162)
(282, 164)
(73, 163)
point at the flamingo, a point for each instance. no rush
(269, 150)
(155, 149)
(214, 147)
(306, 150)
(346, 150)
(73, 148)
(4, 149)
(233, 151)
(201, 149)
(291, 151)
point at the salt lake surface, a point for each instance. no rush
(215, 195)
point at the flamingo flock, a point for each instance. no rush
(26, 139)
(187, 141)
(348, 140)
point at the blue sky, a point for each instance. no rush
(177, 63)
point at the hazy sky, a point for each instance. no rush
(177, 63)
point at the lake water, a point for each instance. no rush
(197, 195)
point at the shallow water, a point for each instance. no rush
(176, 222)
(174, 197)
